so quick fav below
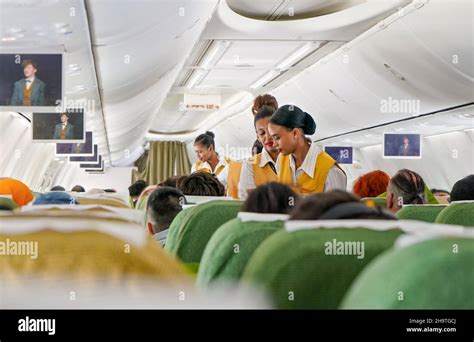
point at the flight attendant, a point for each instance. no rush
(302, 164)
(208, 159)
(261, 168)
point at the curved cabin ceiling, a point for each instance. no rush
(244, 56)
(135, 60)
(401, 59)
(289, 9)
(139, 47)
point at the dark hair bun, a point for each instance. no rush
(309, 124)
(209, 133)
(290, 116)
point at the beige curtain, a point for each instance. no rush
(163, 160)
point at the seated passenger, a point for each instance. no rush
(371, 184)
(95, 191)
(201, 184)
(269, 198)
(78, 188)
(439, 192)
(302, 164)
(171, 181)
(163, 205)
(136, 189)
(337, 205)
(463, 189)
(442, 196)
(19, 191)
(406, 187)
(55, 197)
(57, 188)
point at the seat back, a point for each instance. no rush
(91, 245)
(192, 229)
(432, 274)
(313, 268)
(460, 213)
(232, 245)
(426, 213)
(108, 199)
(6, 203)
(380, 201)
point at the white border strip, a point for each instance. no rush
(425, 205)
(406, 240)
(409, 226)
(259, 217)
(91, 209)
(125, 231)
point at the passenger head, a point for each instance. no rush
(256, 147)
(95, 191)
(78, 188)
(288, 127)
(171, 181)
(269, 198)
(261, 120)
(18, 190)
(336, 204)
(179, 179)
(55, 197)
(57, 188)
(463, 190)
(439, 192)
(264, 100)
(29, 68)
(371, 184)
(136, 189)
(163, 205)
(406, 187)
(201, 184)
(204, 146)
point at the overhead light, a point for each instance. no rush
(298, 55)
(440, 134)
(74, 69)
(465, 116)
(212, 55)
(77, 89)
(60, 25)
(8, 39)
(195, 77)
(265, 79)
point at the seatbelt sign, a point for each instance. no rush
(202, 102)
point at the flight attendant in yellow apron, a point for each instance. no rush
(302, 164)
(261, 168)
(208, 159)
